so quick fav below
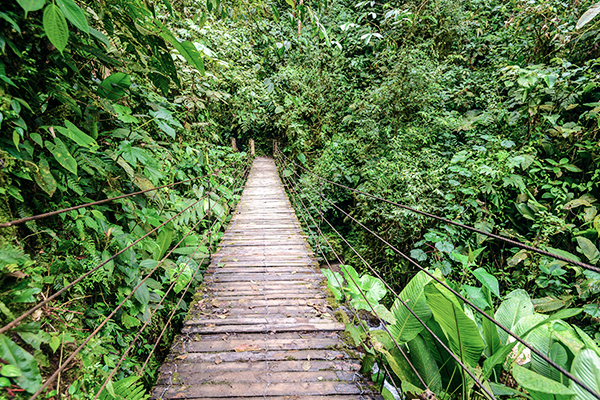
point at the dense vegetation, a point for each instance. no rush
(483, 111)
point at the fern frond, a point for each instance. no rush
(24, 211)
(125, 389)
(74, 185)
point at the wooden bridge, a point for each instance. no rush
(261, 326)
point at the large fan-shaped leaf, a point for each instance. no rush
(407, 326)
(461, 331)
(424, 362)
(586, 367)
(536, 382)
(516, 306)
(374, 288)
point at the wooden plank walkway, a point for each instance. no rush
(261, 326)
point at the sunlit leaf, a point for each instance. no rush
(55, 26)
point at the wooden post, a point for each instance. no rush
(233, 144)
(252, 147)
(274, 148)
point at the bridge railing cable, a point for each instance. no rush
(297, 201)
(446, 220)
(103, 201)
(441, 343)
(205, 240)
(39, 305)
(67, 361)
(383, 324)
(281, 157)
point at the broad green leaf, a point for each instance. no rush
(167, 4)
(185, 48)
(357, 334)
(334, 279)
(461, 331)
(74, 14)
(516, 305)
(401, 368)
(373, 287)
(45, 179)
(55, 26)
(31, 5)
(586, 367)
(490, 336)
(30, 378)
(63, 156)
(25, 295)
(589, 343)
(534, 381)
(477, 296)
(487, 280)
(114, 86)
(384, 313)
(100, 36)
(164, 240)
(424, 362)
(184, 278)
(589, 250)
(75, 134)
(10, 370)
(142, 294)
(588, 16)
(413, 294)
(129, 321)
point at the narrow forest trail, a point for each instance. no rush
(261, 326)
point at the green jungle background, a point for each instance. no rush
(480, 111)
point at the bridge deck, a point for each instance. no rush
(262, 328)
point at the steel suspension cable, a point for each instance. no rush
(175, 279)
(181, 299)
(448, 221)
(364, 296)
(354, 313)
(101, 325)
(465, 368)
(462, 365)
(95, 203)
(479, 310)
(17, 320)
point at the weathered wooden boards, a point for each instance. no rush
(261, 327)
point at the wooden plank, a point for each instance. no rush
(272, 320)
(260, 344)
(197, 378)
(271, 366)
(322, 326)
(259, 389)
(254, 356)
(262, 327)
